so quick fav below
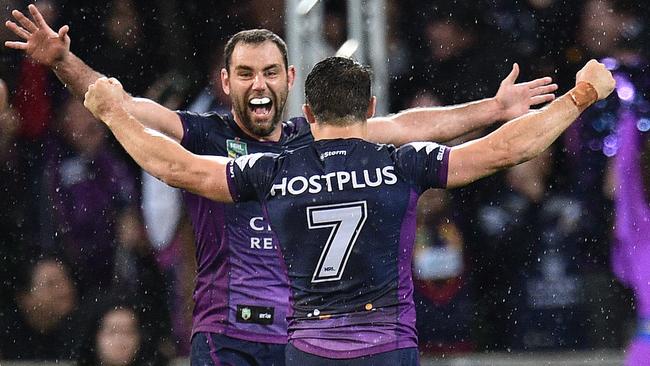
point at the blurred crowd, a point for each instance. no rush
(93, 268)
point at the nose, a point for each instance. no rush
(259, 83)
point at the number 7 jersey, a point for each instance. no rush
(344, 214)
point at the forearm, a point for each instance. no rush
(75, 74)
(527, 136)
(166, 160)
(515, 142)
(454, 121)
(438, 124)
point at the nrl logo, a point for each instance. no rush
(236, 148)
(245, 313)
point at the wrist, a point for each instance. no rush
(583, 95)
(497, 109)
(61, 62)
(113, 115)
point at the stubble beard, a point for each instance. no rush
(264, 129)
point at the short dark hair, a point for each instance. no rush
(255, 37)
(338, 89)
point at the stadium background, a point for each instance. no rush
(517, 264)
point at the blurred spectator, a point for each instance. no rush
(33, 99)
(41, 326)
(86, 184)
(14, 223)
(167, 227)
(212, 97)
(136, 273)
(441, 293)
(449, 51)
(526, 268)
(114, 335)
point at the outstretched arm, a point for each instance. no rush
(525, 137)
(52, 49)
(157, 154)
(447, 123)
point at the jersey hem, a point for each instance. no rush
(241, 335)
(339, 355)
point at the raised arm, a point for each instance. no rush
(160, 156)
(442, 124)
(52, 49)
(525, 137)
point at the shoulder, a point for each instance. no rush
(199, 118)
(297, 131)
(256, 161)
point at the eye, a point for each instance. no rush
(245, 74)
(271, 73)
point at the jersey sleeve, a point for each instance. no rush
(250, 176)
(195, 128)
(423, 164)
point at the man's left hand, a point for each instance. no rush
(516, 99)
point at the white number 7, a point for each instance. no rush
(345, 221)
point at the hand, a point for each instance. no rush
(104, 97)
(598, 76)
(42, 44)
(515, 99)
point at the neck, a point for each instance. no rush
(324, 131)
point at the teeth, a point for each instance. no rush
(260, 101)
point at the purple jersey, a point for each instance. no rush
(344, 213)
(241, 289)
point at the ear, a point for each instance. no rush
(225, 81)
(309, 114)
(372, 104)
(291, 76)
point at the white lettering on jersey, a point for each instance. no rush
(327, 154)
(340, 181)
(441, 153)
(257, 223)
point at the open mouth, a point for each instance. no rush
(260, 106)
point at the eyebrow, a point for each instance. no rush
(248, 68)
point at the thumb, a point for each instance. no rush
(510, 79)
(63, 31)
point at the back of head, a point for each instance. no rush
(338, 91)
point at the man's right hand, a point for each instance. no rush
(42, 44)
(598, 76)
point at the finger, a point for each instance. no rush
(544, 98)
(538, 82)
(513, 74)
(24, 21)
(37, 16)
(18, 30)
(543, 89)
(16, 45)
(63, 31)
